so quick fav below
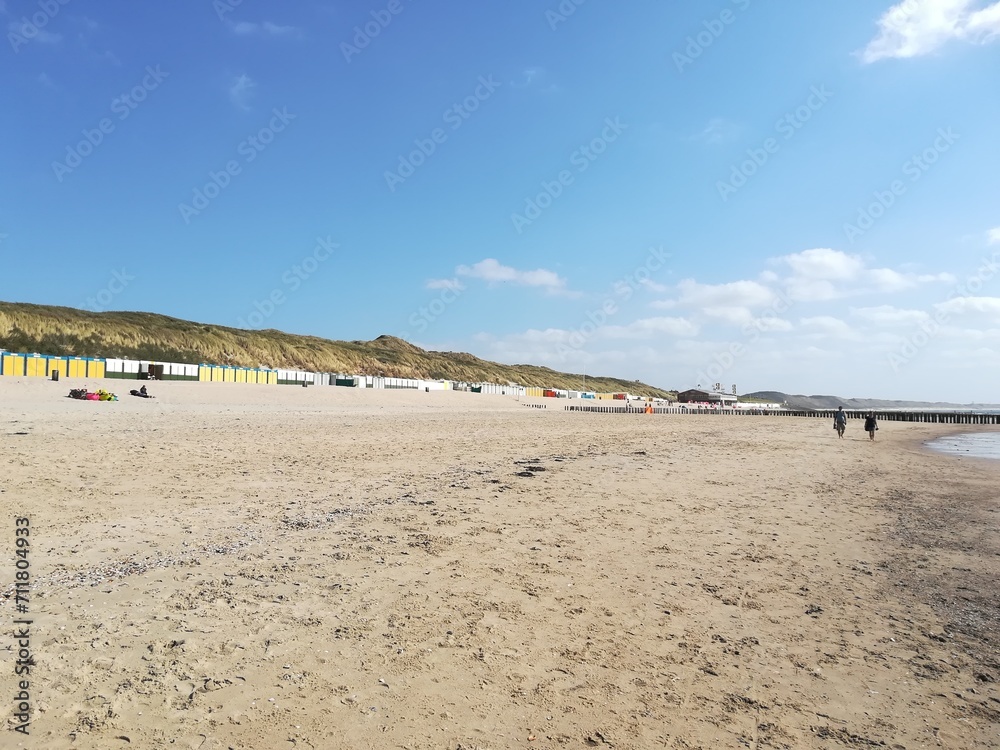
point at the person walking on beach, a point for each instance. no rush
(870, 425)
(840, 421)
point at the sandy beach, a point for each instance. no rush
(234, 566)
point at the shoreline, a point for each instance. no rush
(985, 444)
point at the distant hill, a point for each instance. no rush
(832, 402)
(137, 335)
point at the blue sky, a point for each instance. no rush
(799, 197)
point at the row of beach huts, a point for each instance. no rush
(14, 364)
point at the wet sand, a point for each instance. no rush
(270, 566)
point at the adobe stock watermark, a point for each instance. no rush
(915, 167)
(115, 286)
(581, 158)
(455, 116)
(123, 106)
(31, 27)
(292, 279)
(768, 320)
(363, 35)
(787, 126)
(249, 148)
(622, 291)
(562, 12)
(713, 29)
(928, 328)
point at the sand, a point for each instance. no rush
(232, 566)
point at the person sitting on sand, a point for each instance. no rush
(141, 393)
(840, 421)
(870, 425)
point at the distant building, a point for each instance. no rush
(695, 396)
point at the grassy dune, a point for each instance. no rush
(135, 335)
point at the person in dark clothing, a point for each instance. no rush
(141, 393)
(871, 425)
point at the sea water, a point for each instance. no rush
(973, 445)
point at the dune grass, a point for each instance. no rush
(136, 335)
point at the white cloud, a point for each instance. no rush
(492, 271)
(772, 324)
(827, 325)
(649, 328)
(971, 305)
(984, 25)
(889, 315)
(994, 236)
(453, 284)
(241, 90)
(824, 274)
(918, 27)
(732, 294)
(791, 346)
(743, 317)
(550, 341)
(653, 286)
(945, 278)
(737, 316)
(824, 264)
(887, 280)
(812, 291)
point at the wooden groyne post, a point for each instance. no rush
(933, 417)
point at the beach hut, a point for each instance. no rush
(12, 365)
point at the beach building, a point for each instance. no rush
(44, 366)
(695, 396)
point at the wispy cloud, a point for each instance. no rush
(994, 236)
(87, 30)
(826, 274)
(453, 284)
(653, 286)
(241, 91)
(492, 271)
(35, 34)
(718, 130)
(914, 28)
(732, 294)
(529, 75)
(819, 275)
(535, 78)
(267, 28)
